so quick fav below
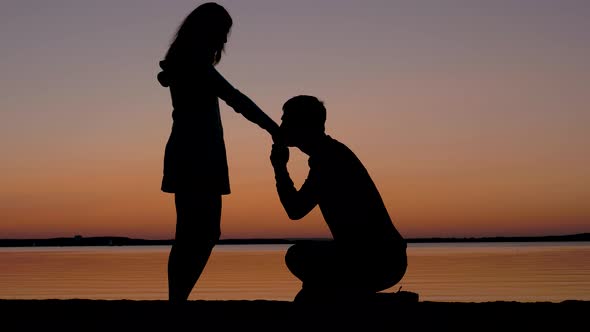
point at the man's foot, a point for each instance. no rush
(399, 297)
(307, 296)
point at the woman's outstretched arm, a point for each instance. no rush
(241, 103)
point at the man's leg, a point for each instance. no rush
(334, 271)
(386, 266)
(197, 232)
(318, 264)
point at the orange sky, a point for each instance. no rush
(471, 119)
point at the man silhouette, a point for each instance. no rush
(367, 253)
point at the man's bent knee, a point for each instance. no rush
(293, 260)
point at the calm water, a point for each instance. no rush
(438, 272)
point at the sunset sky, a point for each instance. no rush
(472, 117)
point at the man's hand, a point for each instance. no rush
(279, 156)
(275, 132)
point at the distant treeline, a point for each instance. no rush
(550, 238)
(117, 241)
(125, 241)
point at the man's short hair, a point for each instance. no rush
(307, 111)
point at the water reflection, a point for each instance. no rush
(439, 272)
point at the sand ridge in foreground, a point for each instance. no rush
(265, 315)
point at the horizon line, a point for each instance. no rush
(79, 240)
(298, 238)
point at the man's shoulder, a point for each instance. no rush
(331, 144)
(339, 149)
(333, 151)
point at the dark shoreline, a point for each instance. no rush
(125, 241)
(263, 315)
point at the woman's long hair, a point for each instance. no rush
(201, 36)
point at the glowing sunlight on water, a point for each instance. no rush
(475, 272)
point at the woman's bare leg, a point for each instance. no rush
(197, 232)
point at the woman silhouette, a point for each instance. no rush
(195, 162)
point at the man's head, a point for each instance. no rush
(303, 119)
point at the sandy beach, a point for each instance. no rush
(263, 315)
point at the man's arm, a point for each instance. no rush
(297, 204)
